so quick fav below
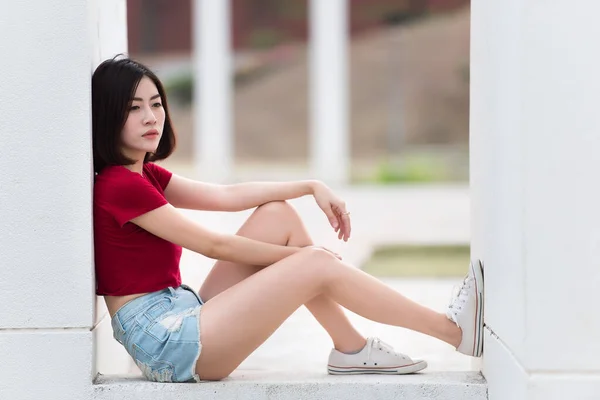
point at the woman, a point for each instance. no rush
(263, 273)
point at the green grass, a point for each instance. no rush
(407, 261)
(416, 165)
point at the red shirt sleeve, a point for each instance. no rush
(162, 176)
(131, 196)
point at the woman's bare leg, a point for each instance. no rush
(238, 320)
(279, 223)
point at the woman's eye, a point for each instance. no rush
(132, 108)
(157, 105)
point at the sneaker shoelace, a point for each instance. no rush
(460, 298)
(378, 344)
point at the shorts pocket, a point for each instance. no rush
(155, 312)
(161, 306)
(154, 370)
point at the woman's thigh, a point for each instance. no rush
(275, 222)
(237, 321)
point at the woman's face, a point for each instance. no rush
(145, 121)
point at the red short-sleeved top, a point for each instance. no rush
(129, 259)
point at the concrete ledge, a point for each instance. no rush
(257, 385)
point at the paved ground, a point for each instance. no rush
(438, 214)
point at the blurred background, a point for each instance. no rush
(408, 84)
(408, 114)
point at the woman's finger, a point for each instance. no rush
(340, 224)
(332, 252)
(343, 222)
(346, 225)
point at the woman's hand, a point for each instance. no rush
(339, 257)
(334, 208)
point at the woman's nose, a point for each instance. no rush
(149, 118)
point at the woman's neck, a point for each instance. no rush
(138, 156)
(137, 167)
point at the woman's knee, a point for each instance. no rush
(277, 209)
(317, 254)
(319, 263)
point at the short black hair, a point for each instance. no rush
(114, 83)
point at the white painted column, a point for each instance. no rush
(213, 143)
(534, 170)
(108, 27)
(329, 133)
(46, 289)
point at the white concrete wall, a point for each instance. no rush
(109, 29)
(109, 38)
(49, 48)
(534, 162)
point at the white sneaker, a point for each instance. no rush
(466, 310)
(376, 357)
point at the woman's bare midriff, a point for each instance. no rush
(113, 303)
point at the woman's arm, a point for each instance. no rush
(187, 193)
(243, 196)
(169, 224)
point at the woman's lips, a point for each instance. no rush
(151, 133)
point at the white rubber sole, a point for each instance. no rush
(395, 370)
(478, 339)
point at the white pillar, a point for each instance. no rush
(534, 169)
(329, 134)
(213, 148)
(108, 27)
(46, 289)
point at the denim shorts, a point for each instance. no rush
(161, 332)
